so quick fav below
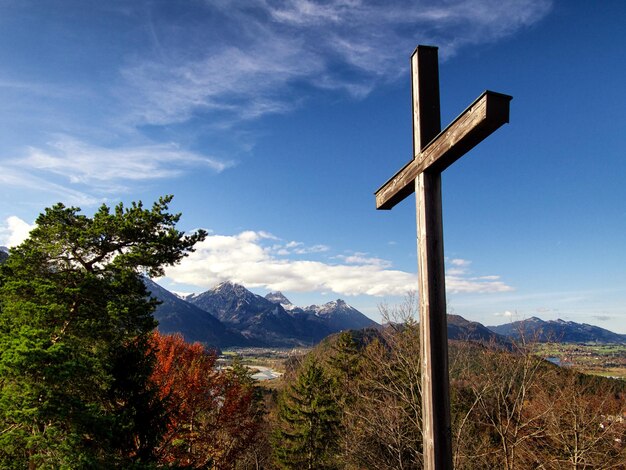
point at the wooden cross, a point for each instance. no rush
(433, 151)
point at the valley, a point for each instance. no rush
(607, 360)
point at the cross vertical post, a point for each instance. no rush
(433, 151)
(436, 427)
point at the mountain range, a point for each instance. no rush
(231, 315)
(558, 331)
(248, 319)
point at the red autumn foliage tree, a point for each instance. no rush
(214, 415)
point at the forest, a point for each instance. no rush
(87, 382)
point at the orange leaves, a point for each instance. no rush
(183, 372)
(214, 415)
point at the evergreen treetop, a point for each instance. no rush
(75, 317)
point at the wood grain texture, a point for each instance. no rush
(425, 96)
(479, 120)
(436, 424)
(436, 428)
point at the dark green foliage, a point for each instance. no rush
(74, 320)
(309, 420)
(344, 362)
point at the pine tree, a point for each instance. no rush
(75, 319)
(309, 421)
(344, 366)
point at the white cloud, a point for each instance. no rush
(506, 313)
(458, 284)
(254, 53)
(14, 232)
(460, 262)
(251, 259)
(108, 170)
(311, 249)
(455, 272)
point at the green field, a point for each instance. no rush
(608, 360)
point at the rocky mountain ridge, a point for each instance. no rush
(175, 315)
(559, 331)
(231, 315)
(271, 321)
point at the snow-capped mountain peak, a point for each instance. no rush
(279, 298)
(229, 287)
(333, 307)
(231, 290)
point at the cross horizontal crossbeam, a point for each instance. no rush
(481, 118)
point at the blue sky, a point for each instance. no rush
(273, 122)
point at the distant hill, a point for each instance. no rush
(461, 329)
(536, 329)
(177, 316)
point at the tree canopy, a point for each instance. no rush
(75, 320)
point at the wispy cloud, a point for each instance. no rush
(362, 259)
(506, 313)
(459, 279)
(229, 81)
(49, 191)
(251, 258)
(459, 262)
(225, 62)
(603, 318)
(297, 248)
(107, 170)
(252, 57)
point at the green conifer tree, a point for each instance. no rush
(309, 420)
(74, 323)
(344, 366)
